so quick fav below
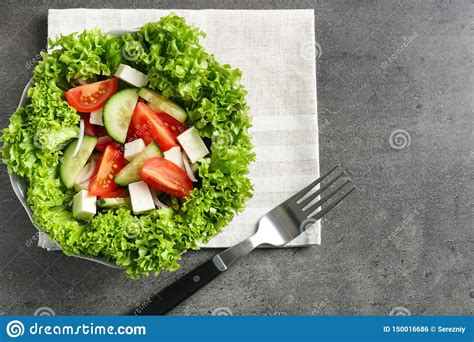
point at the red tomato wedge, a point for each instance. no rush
(90, 97)
(139, 133)
(166, 176)
(148, 126)
(132, 134)
(174, 125)
(117, 193)
(102, 182)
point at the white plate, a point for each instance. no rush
(19, 187)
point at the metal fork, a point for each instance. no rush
(276, 228)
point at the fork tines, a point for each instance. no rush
(307, 199)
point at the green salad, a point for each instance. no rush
(115, 121)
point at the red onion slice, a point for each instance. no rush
(81, 137)
(187, 167)
(157, 202)
(104, 140)
(80, 81)
(90, 172)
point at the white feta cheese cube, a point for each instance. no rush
(141, 197)
(83, 205)
(133, 148)
(193, 144)
(96, 117)
(174, 155)
(131, 76)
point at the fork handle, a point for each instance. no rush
(184, 287)
(225, 259)
(171, 296)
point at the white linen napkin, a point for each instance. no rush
(275, 49)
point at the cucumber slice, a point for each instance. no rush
(163, 104)
(114, 202)
(81, 186)
(117, 113)
(131, 172)
(71, 165)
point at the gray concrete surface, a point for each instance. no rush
(404, 239)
